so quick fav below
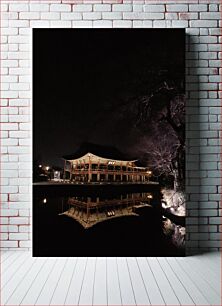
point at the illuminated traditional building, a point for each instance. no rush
(94, 163)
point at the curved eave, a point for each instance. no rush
(111, 159)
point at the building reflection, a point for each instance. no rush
(89, 211)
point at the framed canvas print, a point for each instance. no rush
(108, 142)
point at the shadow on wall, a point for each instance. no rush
(193, 141)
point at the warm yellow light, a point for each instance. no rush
(150, 196)
(44, 201)
(40, 166)
(149, 172)
(47, 168)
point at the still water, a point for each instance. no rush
(126, 224)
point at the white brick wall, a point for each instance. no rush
(203, 62)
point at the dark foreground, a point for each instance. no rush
(55, 235)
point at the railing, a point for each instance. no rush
(106, 171)
(113, 202)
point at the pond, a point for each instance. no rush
(123, 223)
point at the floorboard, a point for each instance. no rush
(193, 280)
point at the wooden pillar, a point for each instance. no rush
(106, 172)
(98, 171)
(98, 177)
(70, 177)
(89, 171)
(121, 172)
(64, 174)
(87, 208)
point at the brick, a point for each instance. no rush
(180, 23)
(141, 16)
(19, 134)
(4, 236)
(39, 24)
(162, 23)
(102, 7)
(25, 244)
(122, 23)
(29, 15)
(9, 228)
(60, 24)
(177, 8)
(19, 102)
(171, 16)
(215, 220)
(82, 8)
(24, 212)
(199, 236)
(19, 220)
(9, 126)
(207, 16)
(18, 236)
(51, 16)
(208, 39)
(18, 150)
(19, 71)
(208, 212)
(215, 236)
(4, 220)
(8, 244)
(210, 244)
(9, 63)
(18, 23)
(122, 7)
(4, 7)
(9, 212)
(9, 142)
(20, 7)
(19, 118)
(154, 8)
(102, 24)
(24, 229)
(112, 15)
(82, 24)
(203, 23)
(94, 15)
(71, 16)
(197, 7)
(187, 16)
(213, 7)
(60, 8)
(9, 173)
(215, 63)
(9, 31)
(37, 7)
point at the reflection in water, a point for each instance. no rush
(89, 211)
(124, 223)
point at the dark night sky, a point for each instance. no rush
(81, 77)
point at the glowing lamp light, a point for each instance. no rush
(56, 172)
(149, 172)
(150, 196)
(47, 168)
(44, 201)
(40, 166)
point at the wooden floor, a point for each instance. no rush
(110, 281)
